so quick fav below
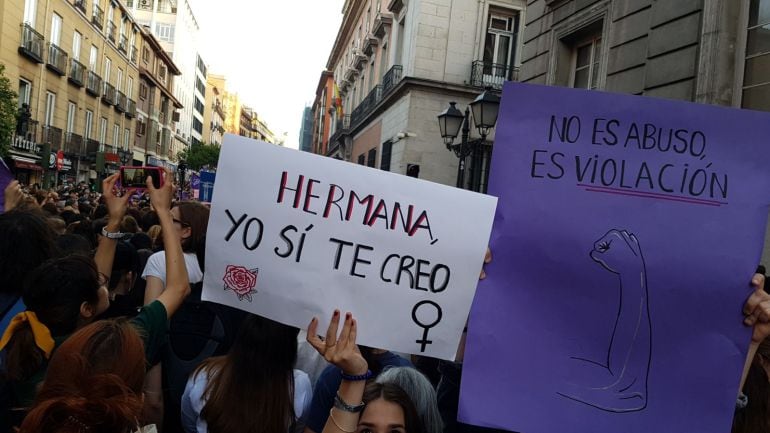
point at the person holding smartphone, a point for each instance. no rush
(190, 222)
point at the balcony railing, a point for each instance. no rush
(53, 136)
(134, 55)
(94, 84)
(391, 78)
(31, 43)
(342, 127)
(123, 44)
(73, 143)
(219, 108)
(80, 5)
(25, 138)
(57, 59)
(77, 73)
(120, 105)
(367, 105)
(492, 75)
(130, 108)
(92, 146)
(97, 17)
(111, 31)
(108, 94)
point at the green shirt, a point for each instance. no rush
(152, 324)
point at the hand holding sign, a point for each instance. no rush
(343, 351)
(13, 195)
(757, 310)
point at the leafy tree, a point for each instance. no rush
(7, 112)
(199, 155)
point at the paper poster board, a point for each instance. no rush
(626, 235)
(294, 235)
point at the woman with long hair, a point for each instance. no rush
(252, 389)
(190, 221)
(93, 384)
(378, 408)
(64, 295)
(60, 296)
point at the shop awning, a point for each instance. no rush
(27, 165)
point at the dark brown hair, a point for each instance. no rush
(54, 291)
(195, 216)
(26, 241)
(94, 382)
(251, 389)
(393, 393)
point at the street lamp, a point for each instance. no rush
(182, 167)
(125, 156)
(485, 109)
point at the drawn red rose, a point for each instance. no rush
(240, 280)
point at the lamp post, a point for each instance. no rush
(182, 167)
(125, 156)
(485, 109)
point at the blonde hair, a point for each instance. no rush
(154, 234)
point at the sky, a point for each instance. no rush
(272, 53)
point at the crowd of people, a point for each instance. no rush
(102, 329)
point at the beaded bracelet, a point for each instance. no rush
(352, 378)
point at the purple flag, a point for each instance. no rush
(626, 235)
(6, 177)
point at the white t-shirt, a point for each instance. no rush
(156, 267)
(193, 402)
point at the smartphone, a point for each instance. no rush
(134, 177)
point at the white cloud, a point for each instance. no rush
(271, 52)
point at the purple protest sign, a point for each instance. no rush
(6, 177)
(626, 235)
(195, 182)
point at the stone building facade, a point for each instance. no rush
(398, 64)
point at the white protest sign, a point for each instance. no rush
(293, 235)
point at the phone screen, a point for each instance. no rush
(134, 177)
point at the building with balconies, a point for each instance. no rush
(214, 113)
(395, 65)
(327, 107)
(63, 58)
(174, 25)
(199, 101)
(157, 107)
(232, 105)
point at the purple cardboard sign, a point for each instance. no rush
(6, 177)
(626, 235)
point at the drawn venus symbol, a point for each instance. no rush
(425, 325)
(241, 280)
